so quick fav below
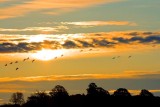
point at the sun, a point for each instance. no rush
(47, 54)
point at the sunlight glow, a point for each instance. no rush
(38, 38)
(47, 54)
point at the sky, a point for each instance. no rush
(114, 43)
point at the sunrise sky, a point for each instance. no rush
(114, 43)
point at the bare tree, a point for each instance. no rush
(17, 98)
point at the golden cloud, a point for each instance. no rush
(101, 23)
(10, 90)
(38, 5)
(124, 75)
(47, 29)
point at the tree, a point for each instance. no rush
(17, 98)
(93, 90)
(121, 92)
(38, 99)
(58, 91)
(59, 96)
(146, 93)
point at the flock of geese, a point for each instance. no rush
(119, 57)
(33, 60)
(25, 59)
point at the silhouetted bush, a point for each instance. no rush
(122, 92)
(38, 99)
(93, 90)
(146, 93)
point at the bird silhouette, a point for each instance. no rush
(11, 63)
(81, 50)
(33, 60)
(55, 58)
(129, 56)
(62, 55)
(90, 49)
(5, 65)
(27, 58)
(113, 57)
(17, 68)
(24, 60)
(16, 61)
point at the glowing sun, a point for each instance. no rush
(46, 54)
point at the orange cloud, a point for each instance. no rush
(101, 23)
(10, 90)
(38, 5)
(124, 75)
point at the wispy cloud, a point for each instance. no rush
(10, 90)
(40, 29)
(12, 87)
(124, 75)
(101, 23)
(39, 5)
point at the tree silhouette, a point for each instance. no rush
(145, 93)
(93, 90)
(121, 92)
(17, 98)
(96, 97)
(58, 91)
(38, 99)
(59, 96)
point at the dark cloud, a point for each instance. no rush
(69, 44)
(148, 33)
(91, 40)
(148, 39)
(121, 40)
(20, 47)
(85, 43)
(103, 43)
(155, 39)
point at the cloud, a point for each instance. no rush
(110, 40)
(69, 44)
(11, 90)
(20, 47)
(100, 23)
(124, 75)
(148, 39)
(40, 5)
(40, 29)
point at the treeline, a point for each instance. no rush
(95, 97)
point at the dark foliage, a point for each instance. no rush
(122, 92)
(95, 97)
